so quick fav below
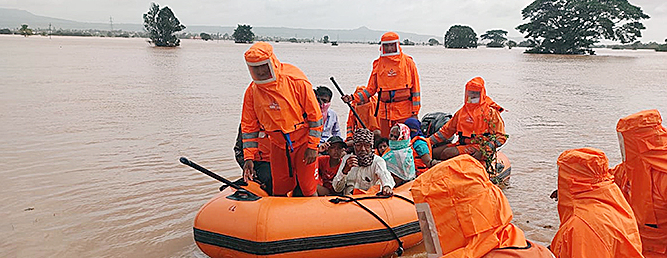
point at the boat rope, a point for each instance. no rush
(337, 200)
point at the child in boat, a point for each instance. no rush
(363, 169)
(399, 158)
(421, 149)
(328, 164)
(381, 146)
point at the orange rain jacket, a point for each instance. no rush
(366, 111)
(642, 176)
(397, 74)
(470, 119)
(463, 214)
(595, 219)
(284, 106)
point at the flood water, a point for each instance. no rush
(91, 129)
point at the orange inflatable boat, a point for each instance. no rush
(238, 224)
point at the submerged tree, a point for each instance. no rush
(510, 44)
(325, 39)
(243, 34)
(497, 38)
(25, 31)
(161, 24)
(460, 36)
(433, 42)
(205, 36)
(573, 26)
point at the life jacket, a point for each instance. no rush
(531, 250)
(420, 167)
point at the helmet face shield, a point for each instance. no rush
(389, 48)
(262, 72)
(472, 97)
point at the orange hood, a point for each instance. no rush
(392, 71)
(471, 215)
(643, 142)
(476, 112)
(586, 190)
(261, 52)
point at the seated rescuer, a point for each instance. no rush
(362, 169)
(366, 111)
(421, 148)
(595, 219)
(463, 214)
(395, 80)
(281, 101)
(262, 165)
(478, 120)
(328, 164)
(329, 116)
(642, 177)
(399, 158)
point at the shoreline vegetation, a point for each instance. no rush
(576, 30)
(637, 45)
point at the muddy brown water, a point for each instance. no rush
(91, 129)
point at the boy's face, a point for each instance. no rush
(336, 151)
(382, 147)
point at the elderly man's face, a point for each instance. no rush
(363, 148)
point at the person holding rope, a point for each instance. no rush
(396, 79)
(280, 101)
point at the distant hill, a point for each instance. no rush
(13, 18)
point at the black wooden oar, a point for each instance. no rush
(348, 104)
(186, 161)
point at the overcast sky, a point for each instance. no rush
(430, 17)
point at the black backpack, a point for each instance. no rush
(432, 122)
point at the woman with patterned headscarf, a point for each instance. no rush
(362, 169)
(399, 158)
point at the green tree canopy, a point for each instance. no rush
(573, 26)
(433, 41)
(25, 31)
(205, 36)
(325, 39)
(460, 36)
(407, 42)
(497, 37)
(161, 24)
(243, 34)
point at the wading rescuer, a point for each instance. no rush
(281, 102)
(595, 219)
(642, 177)
(395, 79)
(479, 118)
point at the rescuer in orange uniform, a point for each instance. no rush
(595, 219)
(366, 111)
(396, 79)
(281, 102)
(463, 214)
(479, 117)
(642, 176)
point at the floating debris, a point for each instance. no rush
(29, 209)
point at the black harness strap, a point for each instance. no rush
(337, 200)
